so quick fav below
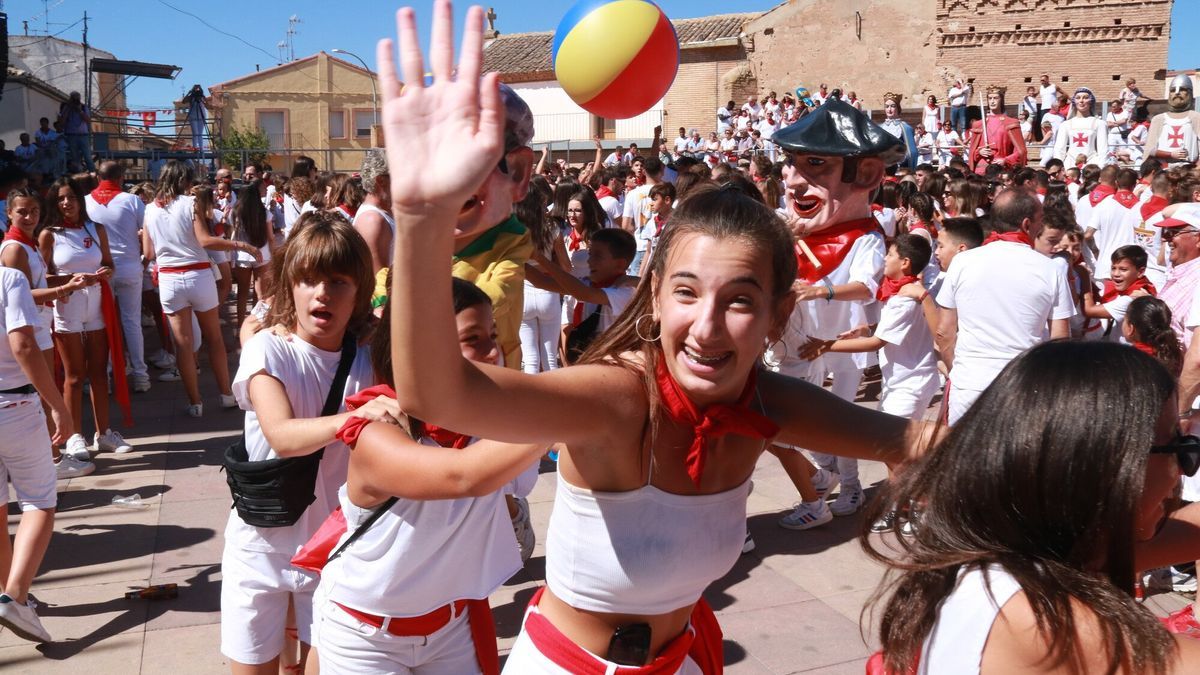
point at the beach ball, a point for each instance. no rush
(615, 58)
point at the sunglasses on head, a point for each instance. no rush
(1186, 449)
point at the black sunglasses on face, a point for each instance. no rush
(1186, 449)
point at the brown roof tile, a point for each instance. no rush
(526, 53)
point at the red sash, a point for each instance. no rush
(184, 268)
(116, 350)
(717, 420)
(1153, 206)
(831, 246)
(1099, 192)
(1111, 293)
(890, 287)
(1017, 237)
(1126, 198)
(107, 190)
(701, 641)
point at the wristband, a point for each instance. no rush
(829, 289)
(922, 298)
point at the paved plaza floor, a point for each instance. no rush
(792, 605)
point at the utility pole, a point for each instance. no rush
(87, 67)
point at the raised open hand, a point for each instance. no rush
(443, 139)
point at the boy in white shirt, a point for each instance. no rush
(902, 338)
(1127, 280)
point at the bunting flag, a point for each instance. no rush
(149, 118)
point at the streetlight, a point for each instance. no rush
(374, 97)
(52, 63)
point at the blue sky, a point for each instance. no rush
(150, 30)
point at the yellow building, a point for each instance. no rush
(320, 106)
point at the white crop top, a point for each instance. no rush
(172, 231)
(422, 554)
(964, 620)
(77, 249)
(644, 551)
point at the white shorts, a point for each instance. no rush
(79, 312)
(25, 453)
(525, 659)
(958, 401)
(347, 645)
(255, 588)
(194, 289)
(907, 402)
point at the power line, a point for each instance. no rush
(222, 32)
(43, 39)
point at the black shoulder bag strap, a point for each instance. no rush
(337, 390)
(358, 532)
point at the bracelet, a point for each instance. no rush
(829, 289)
(922, 298)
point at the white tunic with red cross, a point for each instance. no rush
(1082, 136)
(1178, 134)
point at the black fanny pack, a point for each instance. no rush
(582, 336)
(276, 492)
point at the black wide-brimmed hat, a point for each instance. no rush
(838, 129)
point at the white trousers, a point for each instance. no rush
(540, 330)
(127, 287)
(959, 401)
(845, 387)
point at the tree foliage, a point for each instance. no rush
(249, 144)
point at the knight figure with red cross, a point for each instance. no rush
(1082, 139)
(1175, 135)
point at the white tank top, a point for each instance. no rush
(964, 621)
(422, 554)
(37, 266)
(644, 551)
(77, 249)
(171, 230)
(371, 208)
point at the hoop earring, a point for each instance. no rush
(637, 328)
(775, 359)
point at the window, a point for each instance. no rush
(273, 123)
(337, 123)
(363, 119)
(1117, 77)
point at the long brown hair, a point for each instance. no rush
(323, 244)
(1041, 477)
(724, 214)
(52, 216)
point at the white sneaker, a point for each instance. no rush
(195, 410)
(68, 467)
(523, 528)
(228, 401)
(807, 515)
(77, 447)
(162, 360)
(111, 441)
(22, 619)
(848, 501)
(749, 544)
(171, 375)
(140, 383)
(824, 481)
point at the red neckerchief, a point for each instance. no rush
(1126, 198)
(922, 225)
(15, 234)
(1145, 349)
(66, 224)
(574, 240)
(890, 287)
(659, 223)
(346, 210)
(1153, 206)
(1017, 237)
(577, 316)
(1111, 293)
(603, 192)
(1042, 191)
(1099, 192)
(876, 208)
(445, 437)
(107, 190)
(717, 420)
(831, 246)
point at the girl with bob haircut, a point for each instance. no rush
(1038, 508)
(662, 422)
(318, 313)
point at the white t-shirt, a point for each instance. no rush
(19, 311)
(306, 373)
(681, 145)
(618, 300)
(1049, 95)
(173, 234)
(907, 360)
(827, 319)
(122, 218)
(958, 95)
(1114, 225)
(1005, 294)
(637, 208)
(613, 208)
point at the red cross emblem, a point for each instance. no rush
(1080, 140)
(1175, 135)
